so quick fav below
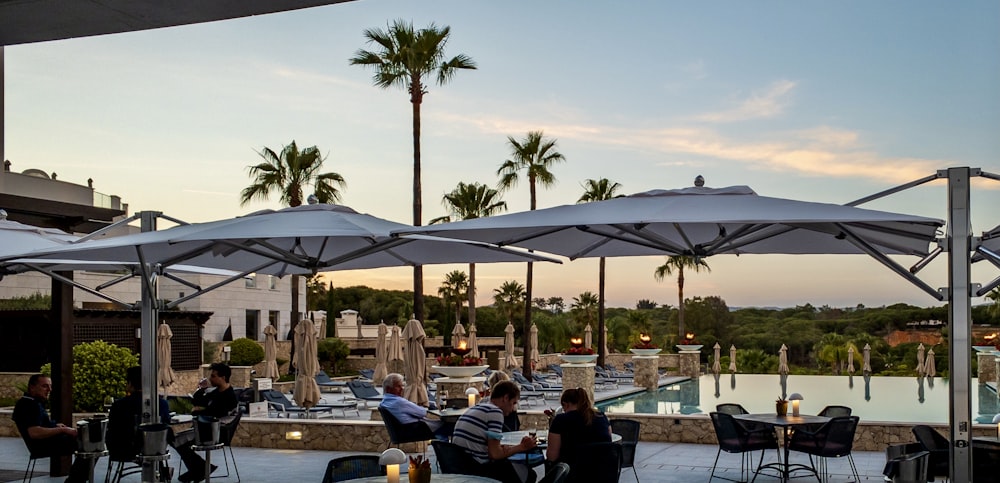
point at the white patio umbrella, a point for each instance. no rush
(783, 360)
(458, 334)
(473, 342)
(415, 372)
(306, 393)
(509, 360)
(920, 359)
(588, 337)
(866, 362)
(850, 360)
(732, 359)
(381, 353)
(716, 365)
(929, 369)
(18, 238)
(165, 375)
(533, 344)
(270, 353)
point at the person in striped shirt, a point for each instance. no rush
(479, 432)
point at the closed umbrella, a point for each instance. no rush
(920, 360)
(783, 360)
(270, 352)
(588, 337)
(929, 368)
(920, 389)
(164, 374)
(306, 365)
(458, 334)
(868, 387)
(381, 353)
(416, 362)
(395, 345)
(717, 366)
(473, 342)
(533, 344)
(606, 339)
(850, 360)
(509, 361)
(732, 359)
(717, 389)
(866, 363)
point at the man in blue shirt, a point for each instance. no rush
(42, 435)
(406, 411)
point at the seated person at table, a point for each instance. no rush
(479, 432)
(125, 417)
(511, 422)
(215, 397)
(578, 424)
(42, 435)
(406, 411)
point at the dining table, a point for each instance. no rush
(448, 415)
(787, 424)
(437, 478)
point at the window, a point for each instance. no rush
(273, 317)
(272, 282)
(250, 281)
(253, 324)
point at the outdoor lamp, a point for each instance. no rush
(391, 459)
(472, 393)
(795, 398)
(996, 419)
(644, 338)
(575, 342)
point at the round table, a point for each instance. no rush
(435, 478)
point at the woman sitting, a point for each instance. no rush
(579, 424)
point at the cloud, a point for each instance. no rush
(768, 104)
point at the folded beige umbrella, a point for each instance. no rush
(473, 342)
(164, 373)
(533, 344)
(732, 359)
(270, 353)
(416, 363)
(509, 360)
(716, 365)
(588, 337)
(381, 354)
(306, 365)
(783, 360)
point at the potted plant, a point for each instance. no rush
(987, 343)
(781, 406)
(689, 343)
(577, 353)
(459, 364)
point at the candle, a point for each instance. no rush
(392, 473)
(795, 407)
(472, 400)
(461, 345)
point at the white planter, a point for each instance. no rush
(459, 371)
(578, 358)
(689, 347)
(645, 352)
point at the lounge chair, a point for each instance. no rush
(364, 391)
(324, 381)
(285, 408)
(368, 374)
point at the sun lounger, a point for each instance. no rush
(324, 381)
(285, 408)
(368, 374)
(364, 391)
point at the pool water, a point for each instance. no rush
(896, 399)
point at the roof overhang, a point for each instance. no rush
(69, 217)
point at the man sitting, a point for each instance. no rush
(215, 397)
(406, 411)
(125, 417)
(43, 436)
(479, 432)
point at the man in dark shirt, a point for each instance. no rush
(125, 417)
(215, 398)
(43, 436)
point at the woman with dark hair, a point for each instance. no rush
(579, 424)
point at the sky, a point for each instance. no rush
(816, 101)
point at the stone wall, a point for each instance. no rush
(9, 381)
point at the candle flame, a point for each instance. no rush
(461, 345)
(689, 336)
(991, 336)
(645, 338)
(575, 341)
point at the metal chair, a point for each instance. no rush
(399, 433)
(629, 431)
(731, 408)
(734, 438)
(350, 467)
(226, 432)
(834, 439)
(835, 411)
(556, 474)
(938, 446)
(453, 459)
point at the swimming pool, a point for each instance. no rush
(898, 399)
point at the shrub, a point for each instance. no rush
(245, 352)
(208, 351)
(332, 351)
(98, 372)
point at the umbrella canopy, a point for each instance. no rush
(19, 238)
(920, 359)
(381, 354)
(416, 362)
(165, 374)
(716, 365)
(783, 360)
(270, 353)
(732, 359)
(588, 337)
(395, 345)
(473, 342)
(533, 344)
(850, 360)
(457, 334)
(929, 367)
(509, 360)
(866, 362)
(306, 361)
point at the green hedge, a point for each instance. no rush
(98, 372)
(245, 352)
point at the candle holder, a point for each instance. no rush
(460, 351)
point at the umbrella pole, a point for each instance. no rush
(147, 331)
(959, 322)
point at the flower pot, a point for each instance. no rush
(645, 352)
(419, 474)
(578, 358)
(781, 407)
(689, 347)
(458, 371)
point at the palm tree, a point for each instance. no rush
(289, 173)
(599, 190)
(587, 303)
(832, 349)
(509, 298)
(534, 155)
(678, 263)
(465, 202)
(994, 308)
(407, 58)
(453, 290)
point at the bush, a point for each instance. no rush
(245, 352)
(332, 351)
(208, 351)
(98, 372)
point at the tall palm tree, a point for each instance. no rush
(677, 264)
(453, 290)
(465, 202)
(534, 155)
(587, 303)
(509, 298)
(288, 173)
(407, 58)
(599, 190)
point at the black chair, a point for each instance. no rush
(556, 474)
(731, 408)
(834, 439)
(835, 411)
(399, 433)
(595, 463)
(734, 438)
(937, 446)
(350, 467)
(228, 426)
(629, 431)
(453, 459)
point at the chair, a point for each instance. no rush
(835, 411)
(399, 433)
(629, 431)
(323, 381)
(595, 463)
(227, 429)
(368, 374)
(556, 474)
(937, 446)
(734, 438)
(731, 408)
(350, 467)
(277, 401)
(834, 439)
(453, 459)
(364, 391)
